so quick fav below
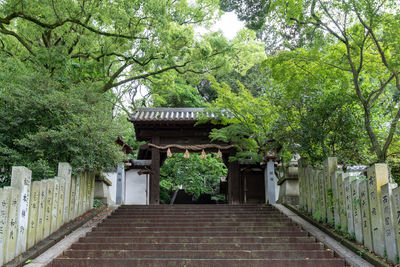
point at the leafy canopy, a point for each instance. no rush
(358, 39)
(44, 122)
(109, 43)
(196, 175)
(249, 121)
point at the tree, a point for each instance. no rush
(193, 89)
(44, 122)
(359, 39)
(243, 66)
(109, 43)
(248, 121)
(196, 175)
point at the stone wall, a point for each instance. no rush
(31, 211)
(364, 207)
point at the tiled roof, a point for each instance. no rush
(168, 114)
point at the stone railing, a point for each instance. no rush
(365, 207)
(31, 211)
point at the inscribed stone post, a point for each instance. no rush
(48, 208)
(377, 176)
(64, 171)
(357, 214)
(335, 195)
(82, 190)
(33, 213)
(321, 185)
(349, 204)
(5, 202)
(301, 182)
(92, 191)
(84, 196)
(21, 179)
(54, 209)
(366, 215)
(396, 215)
(89, 190)
(342, 201)
(309, 189)
(77, 195)
(12, 229)
(41, 211)
(72, 198)
(330, 166)
(301, 192)
(60, 209)
(390, 236)
(316, 191)
(119, 198)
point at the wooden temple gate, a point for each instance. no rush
(176, 128)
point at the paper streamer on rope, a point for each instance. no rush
(219, 154)
(203, 154)
(169, 154)
(186, 154)
(193, 147)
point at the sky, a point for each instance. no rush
(229, 24)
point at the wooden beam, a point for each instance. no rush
(234, 183)
(155, 177)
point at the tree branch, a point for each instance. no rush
(19, 38)
(59, 23)
(379, 91)
(109, 85)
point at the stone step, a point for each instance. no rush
(172, 228)
(195, 220)
(199, 206)
(199, 254)
(197, 214)
(63, 262)
(197, 246)
(258, 210)
(207, 214)
(163, 240)
(195, 224)
(197, 234)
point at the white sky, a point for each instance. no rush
(229, 24)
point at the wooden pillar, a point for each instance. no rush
(234, 183)
(155, 176)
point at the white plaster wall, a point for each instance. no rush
(135, 188)
(112, 176)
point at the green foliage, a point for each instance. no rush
(46, 121)
(110, 43)
(352, 45)
(67, 67)
(245, 57)
(97, 203)
(196, 175)
(249, 121)
(317, 215)
(319, 115)
(174, 93)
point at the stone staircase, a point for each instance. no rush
(197, 235)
